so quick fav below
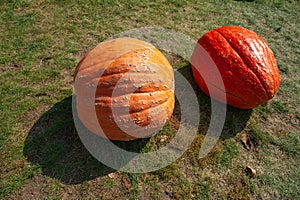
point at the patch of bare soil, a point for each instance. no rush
(280, 124)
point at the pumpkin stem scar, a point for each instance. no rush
(260, 81)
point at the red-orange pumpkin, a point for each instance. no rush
(246, 64)
(129, 77)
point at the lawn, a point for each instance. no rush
(42, 157)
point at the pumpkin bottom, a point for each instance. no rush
(136, 125)
(224, 96)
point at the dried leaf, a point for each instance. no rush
(127, 184)
(112, 175)
(33, 192)
(247, 141)
(251, 171)
(163, 138)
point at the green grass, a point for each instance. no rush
(41, 154)
(230, 151)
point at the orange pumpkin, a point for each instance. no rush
(126, 86)
(246, 64)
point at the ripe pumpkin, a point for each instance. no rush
(126, 86)
(246, 63)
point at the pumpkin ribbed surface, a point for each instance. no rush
(246, 64)
(130, 85)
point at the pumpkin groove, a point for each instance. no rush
(247, 62)
(247, 66)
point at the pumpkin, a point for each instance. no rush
(245, 62)
(126, 86)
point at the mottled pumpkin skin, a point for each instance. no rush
(130, 76)
(246, 63)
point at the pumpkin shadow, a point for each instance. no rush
(236, 119)
(55, 146)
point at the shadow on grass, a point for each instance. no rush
(236, 119)
(54, 145)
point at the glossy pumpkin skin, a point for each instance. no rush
(128, 81)
(246, 63)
